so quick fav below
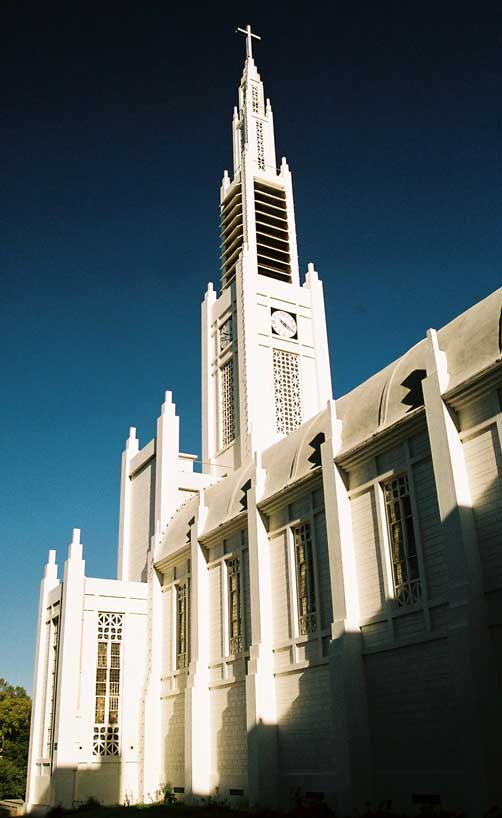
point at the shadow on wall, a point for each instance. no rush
(231, 742)
(70, 787)
(432, 680)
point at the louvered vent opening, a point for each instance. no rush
(272, 237)
(231, 235)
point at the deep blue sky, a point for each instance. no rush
(115, 134)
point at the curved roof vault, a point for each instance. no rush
(472, 343)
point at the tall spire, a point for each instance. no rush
(264, 352)
(256, 200)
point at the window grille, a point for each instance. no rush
(182, 626)
(255, 99)
(227, 417)
(53, 669)
(106, 710)
(406, 578)
(110, 626)
(288, 406)
(260, 146)
(244, 136)
(305, 587)
(234, 606)
(106, 741)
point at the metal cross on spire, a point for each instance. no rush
(249, 34)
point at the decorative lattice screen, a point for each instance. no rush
(288, 404)
(227, 417)
(259, 145)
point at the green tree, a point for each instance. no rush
(15, 712)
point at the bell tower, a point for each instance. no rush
(265, 360)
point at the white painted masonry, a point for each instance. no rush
(317, 612)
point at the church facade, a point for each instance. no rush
(318, 612)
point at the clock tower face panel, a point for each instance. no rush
(284, 324)
(226, 334)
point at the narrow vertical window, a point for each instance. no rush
(305, 588)
(260, 148)
(255, 99)
(108, 668)
(234, 606)
(227, 418)
(53, 669)
(288, 406)
(181, 626)
(406, 577)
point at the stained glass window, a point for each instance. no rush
(106, 711)
(182, 626)
(234, 606)
(305, 588)
(405, 571)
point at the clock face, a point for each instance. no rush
(284, 324)
(225, 334)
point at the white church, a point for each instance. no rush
(318, 613)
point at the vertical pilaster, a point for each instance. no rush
(49, 581)
(285, 175)
(271, 161)
(209, 425)
(197, 743)
(319, 332)
(131, 449)
(245, 280)
(66, 733)
(150, 743)
(472, 669)
(167, 458)
(349, 710)
(236, 141)
(261, 712)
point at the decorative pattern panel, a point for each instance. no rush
(227, 416)
(255, 99)
(259, 145)
(110, 627)
(106, 741)
(288, 404)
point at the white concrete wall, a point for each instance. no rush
(142, 519)
(173, 733)
(366, 543)
(77, 773)
(228, 738)
(482, 451)
(112, 779)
